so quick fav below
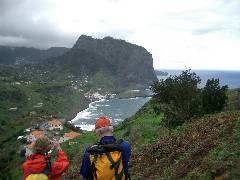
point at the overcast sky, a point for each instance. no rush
(180, 34)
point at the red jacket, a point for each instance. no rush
(36, 163)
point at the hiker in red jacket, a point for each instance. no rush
(40, 163)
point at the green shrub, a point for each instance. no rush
(180, 98)
(214, 96)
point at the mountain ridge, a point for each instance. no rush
(24, 55)
(119, 62)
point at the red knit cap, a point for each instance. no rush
(102, 122)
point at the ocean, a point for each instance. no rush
(115, 109)
(119, 109)
(230, 78)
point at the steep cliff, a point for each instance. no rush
(116, 62)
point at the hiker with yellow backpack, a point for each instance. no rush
(108, 159)
(39, 165)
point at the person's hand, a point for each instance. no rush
(56, 145)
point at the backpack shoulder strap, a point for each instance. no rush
(119, 141)
(93, 166)
(48, 166)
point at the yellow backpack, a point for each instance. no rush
(37, 177)
(106, 161)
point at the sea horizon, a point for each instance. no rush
(227, 70)
(231, 78)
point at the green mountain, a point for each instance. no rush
(35, 89)
(114, 63)
(23, 55)
(107, 63)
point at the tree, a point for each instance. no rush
(214, 96)
(180, 96)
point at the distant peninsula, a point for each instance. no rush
(160, 73)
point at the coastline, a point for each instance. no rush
(116, 109)
(77, 108)
(83, 112)
(134, 94)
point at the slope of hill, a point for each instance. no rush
(205, 148)
(25, 104)
(22, 55)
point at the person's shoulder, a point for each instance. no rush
(89, 147)
(125, 144)
(25, 164)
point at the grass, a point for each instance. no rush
(75, 149)
(142, 130)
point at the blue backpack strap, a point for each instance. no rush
(48, 166)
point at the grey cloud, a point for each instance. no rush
(37, 43)
(207, 30)
(6, 5)
(118, 33)
(18, 27)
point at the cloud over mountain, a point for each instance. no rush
(162, 27)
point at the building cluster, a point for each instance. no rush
(53, 126)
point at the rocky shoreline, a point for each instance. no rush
(76, 109)
(134, 94)
(122, 95)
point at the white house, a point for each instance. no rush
(55, 124)
(13, 109)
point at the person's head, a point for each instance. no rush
(103, 127)
(42, 145)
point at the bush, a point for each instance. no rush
(12, 94)
(214, 96)
(180, 98)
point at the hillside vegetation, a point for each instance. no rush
(203, 146)
(25, 104)
(112, 60)
(36, 85)
(24, 55)
(206, 148)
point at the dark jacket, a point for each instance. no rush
(85, 170)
